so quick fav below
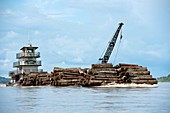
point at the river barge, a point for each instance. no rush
(102, 74)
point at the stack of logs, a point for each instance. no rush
(136, 74)
(36, 79)
(99, 74)
(67, 76)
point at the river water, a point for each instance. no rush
(85, 100)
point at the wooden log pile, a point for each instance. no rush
(67, 76)
(122, 73)
(135, 74)
(98, 74)
(36, 79)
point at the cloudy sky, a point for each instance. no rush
(75, 33)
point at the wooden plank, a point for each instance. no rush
(107, 72)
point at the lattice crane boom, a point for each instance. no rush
(111, 45)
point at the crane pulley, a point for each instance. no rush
(111, 45)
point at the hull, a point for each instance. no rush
(128, 85)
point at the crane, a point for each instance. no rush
(111, 45)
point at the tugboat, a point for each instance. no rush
(27, 62)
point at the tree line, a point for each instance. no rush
(164, 79)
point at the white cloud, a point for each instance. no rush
(36, 32)
(11, 34)
(4, 61)
(63, 63)
(8, 37)
(4, 64)
(7, 12)
(150, 53)
(77, 60)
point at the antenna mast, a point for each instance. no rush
(29, 42)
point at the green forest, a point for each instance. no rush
(164, 79)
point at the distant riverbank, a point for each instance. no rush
(4, 80)
(164, 79)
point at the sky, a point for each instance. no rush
(75, 33)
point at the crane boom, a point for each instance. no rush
(111, 45)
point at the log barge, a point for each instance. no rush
(28, 74)
(97, 75)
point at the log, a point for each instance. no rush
(129, 66)
(139, 81)
(33, 73)
(76, 70)
(106, 76)
(42, 75)
(106, 79)
(47, 82)
(73, 77)
(33, 76)
(121, 64)
(152, 81)
(66, 84)
(86, 70)
(55, 73)
(56, 69)
(80, 71)
(95, 82)
(137, 69)
(107, 72)
(139, 73)
(43, 78)
(142, 77)
(97, 70)
(109, 65)
(71, 73)
(67, 81)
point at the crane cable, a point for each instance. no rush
(103, 52)
(118, 47)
